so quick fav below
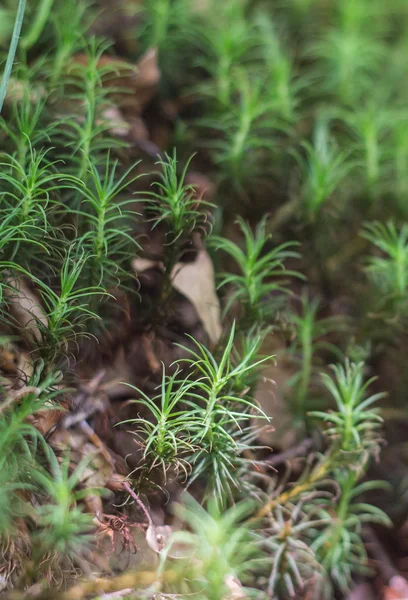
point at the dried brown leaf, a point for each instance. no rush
(26, 308)
(196, 282)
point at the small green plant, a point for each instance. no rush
(169, 27)
(245, 132)
(69, 25)
(369, 125)
(354, 425)
(228, 43)
(25, 127)
(67, 310)
(176, 208)
(225, 549)
(63, 526)
(308, 341)
(21, 442)
(174, 202)
(294, 564)
(86, 136)
(323, 169)
(389, 272)
(220, 428)
(349, 53)
(106, 223)
(165, 434)
(31, 187)
(285, 84)
(261, 283)
(340, 548)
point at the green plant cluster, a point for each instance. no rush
(297, 110)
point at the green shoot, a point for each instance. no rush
(63, 527)
(308, 341)
(12, 51)
(389, 272)
(221, 428)
(323, 170)
(165, 434)
(354, 425)
(66, 311)
(340, 548)
(263, 277)
(107, 223)
(38, 24)
(225, 550)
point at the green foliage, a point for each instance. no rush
(349, 52)
(168, 26)
(20, 441)
(175, 203)
(285, 84)
(67, 310)
(86, 135)
(221, 428)
(369, 125)
(63, 526)
(261, 282)
(106, 223)
(224, 548)
(67, 18)
(243, 150)
(354, 424)
(260, 74)
(309, 340)
(25, 126)
(293, 561)
(37, 25)
(340, 547)
(12, 50)
(228, 42)
(389, 272)
(29, 187)
(165, 434)
(323, 170)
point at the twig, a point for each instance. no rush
(136, 498)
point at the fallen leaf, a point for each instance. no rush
(147, 77)
(140, 265)
(26, 308)
(117, 124)
(196, 282)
